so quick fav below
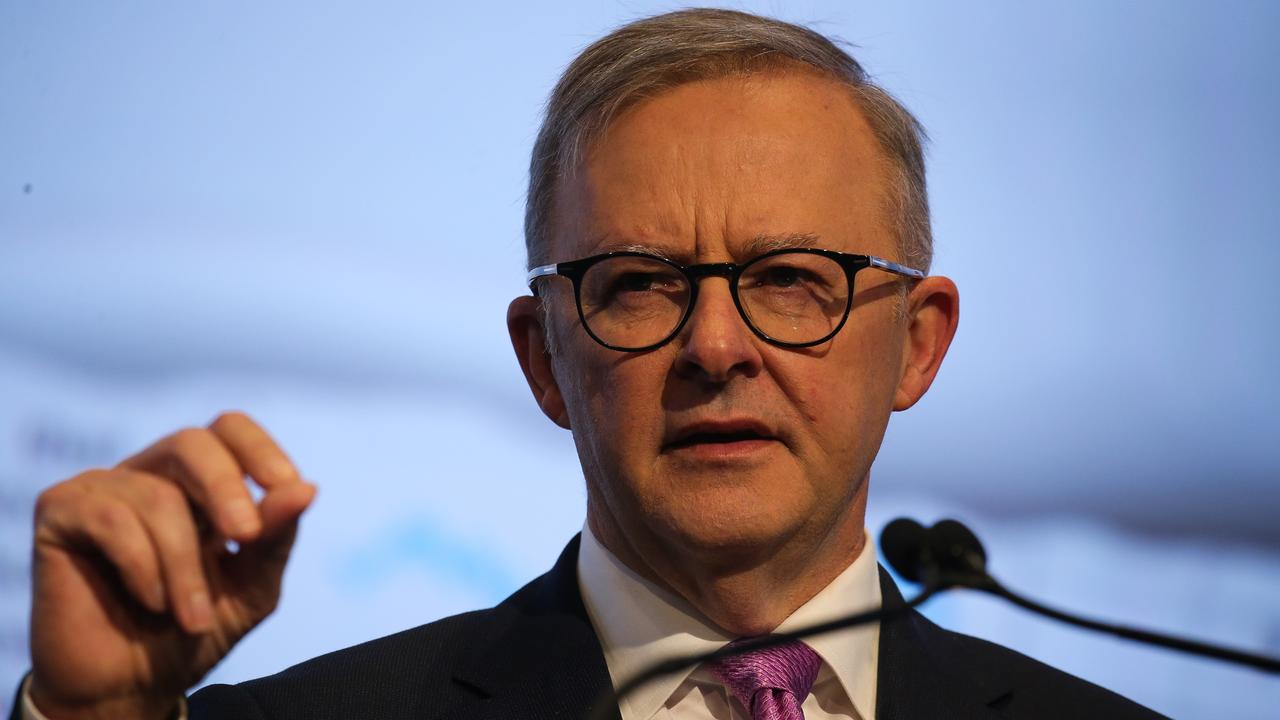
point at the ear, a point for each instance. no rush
(528, 338)
(933, 308)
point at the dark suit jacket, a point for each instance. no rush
(537, 656)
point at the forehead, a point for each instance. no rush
(708, 168)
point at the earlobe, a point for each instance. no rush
(528, 339)
(934, 313)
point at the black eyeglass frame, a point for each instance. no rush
(851, 263)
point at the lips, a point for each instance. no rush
(718, 432)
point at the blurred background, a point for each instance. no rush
(312, 213)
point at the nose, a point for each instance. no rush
(715, 343)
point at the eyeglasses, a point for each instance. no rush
(633, 301)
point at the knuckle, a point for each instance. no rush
(165, 498)
(189, 441)
(112, 518)
(269, 457)
(67, 492)
(133, 562)
(50, 499)
(94, 476)
(230, 419)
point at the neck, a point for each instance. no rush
(750, 591)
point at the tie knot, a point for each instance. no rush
(791, 667)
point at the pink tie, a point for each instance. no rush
(773, 682)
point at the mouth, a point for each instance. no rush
(720, 438)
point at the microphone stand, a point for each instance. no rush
(991, 586)
(959, 558)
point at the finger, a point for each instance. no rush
(167, 518)
(255, 450)
(199, 461)
(69, 515)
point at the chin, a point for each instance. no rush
(728, 528)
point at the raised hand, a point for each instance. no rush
(135, 594)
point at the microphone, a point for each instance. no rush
(960, 561)
(903, 543)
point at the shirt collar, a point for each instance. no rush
(640, 623)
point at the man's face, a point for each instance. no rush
(718, 444)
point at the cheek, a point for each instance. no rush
(839, 411)
(615, 406)
(845, 400)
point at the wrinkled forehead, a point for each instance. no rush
(727, 167)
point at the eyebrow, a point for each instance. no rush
(759, 245)
(657, 250)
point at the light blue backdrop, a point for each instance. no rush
(312, 212)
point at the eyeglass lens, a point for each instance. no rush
(636, 302)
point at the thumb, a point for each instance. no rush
(258, 567)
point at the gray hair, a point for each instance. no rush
(645, 57)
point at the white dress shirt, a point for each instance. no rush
(639, 624)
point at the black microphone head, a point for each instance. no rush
(902, 542)
(956, 549)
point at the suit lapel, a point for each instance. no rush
(917, 678)
(543, 659)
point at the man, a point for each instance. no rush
(728, 234)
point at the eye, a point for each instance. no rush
(782, 276)
(792, 279)
(777, 276)
(630, 281)
(634, 282)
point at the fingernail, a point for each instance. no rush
(200, 610)
(243, 517)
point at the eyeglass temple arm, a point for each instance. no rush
(540, 271)
(876, 262)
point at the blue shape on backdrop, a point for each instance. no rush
(417, 545)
